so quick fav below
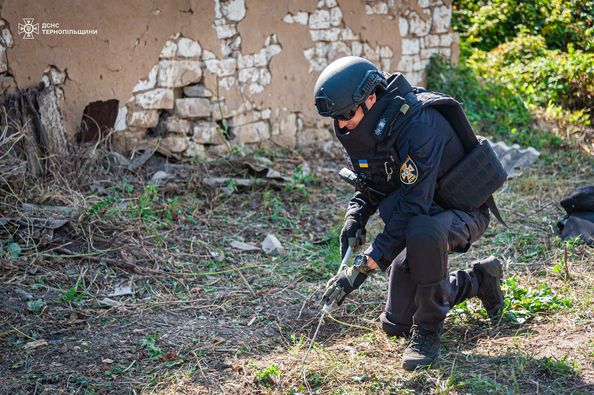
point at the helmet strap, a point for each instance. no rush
(364, 108)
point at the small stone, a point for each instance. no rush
(431, 41)
(149, 83)
(403, 26)
(143, 119)
(207, 133)
(335, 16)
(161, 176)
(177, 125)
(223, 67)
(35, 344)
(188, 48)
(121, 291)
(107, 361)
(193, 107)
(3, 62)
(329, 35)
(168, 50)
(176, 73)
(348, 35)
(243, 246)
(446, 40)
(441, 19)
(252, 132)
(234, 10)
(410, 46)
(370, 53)
(245, 61)
(110, 302)
(339, 48)
(7, 38)
(197, 90)
(320, 19)
(288, 19)
(427, 53)
(120, 122)
(155, 99)
(301, 17)
(174, 144)
(7, 84)
(226, 31)
(194, 150)
(356, 48)
(272, 246)
(418, 26)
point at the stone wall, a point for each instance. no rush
(199, 77)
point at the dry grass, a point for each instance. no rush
(206, 318)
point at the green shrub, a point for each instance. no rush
(492, 108)
(540, 76)
(487, 24)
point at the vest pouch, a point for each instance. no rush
(469, 184)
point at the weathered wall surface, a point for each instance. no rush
(200, 76)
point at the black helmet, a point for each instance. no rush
(345, 84)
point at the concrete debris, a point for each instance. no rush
(272, 246)
(514, 158)
(121, 291)
(243, 246)
(161, 176)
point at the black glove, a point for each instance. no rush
(343, 284)
(352, 234)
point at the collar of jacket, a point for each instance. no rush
(361, 140)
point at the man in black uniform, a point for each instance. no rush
(401, 160)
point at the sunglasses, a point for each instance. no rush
(345, 116)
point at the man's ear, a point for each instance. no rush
(370, 101)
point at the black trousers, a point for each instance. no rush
(421, 290)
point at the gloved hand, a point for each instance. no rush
(353, 234)
(339, 286)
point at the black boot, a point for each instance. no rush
(489, 273)
(422, 350)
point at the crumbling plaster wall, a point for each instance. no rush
(200, 76)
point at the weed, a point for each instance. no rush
(73, 294)
(36, 306)
(522, 304)
(12, 250)
(149, 343)
(266, 376)
(556, 368)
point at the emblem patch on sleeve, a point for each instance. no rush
(408, 172)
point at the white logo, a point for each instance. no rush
(28, 28)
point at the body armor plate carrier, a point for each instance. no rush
(467, 186)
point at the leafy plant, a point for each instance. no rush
(13, 250)
(556, 368)
(522, 304)
(150, 343)
(73, 294)
(36, 306)
(266, 376)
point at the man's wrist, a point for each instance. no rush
(365, 265)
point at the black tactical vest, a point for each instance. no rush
(375, 159)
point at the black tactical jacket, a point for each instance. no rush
(425, 149)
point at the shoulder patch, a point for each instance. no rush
(408, 172)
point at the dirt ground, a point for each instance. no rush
(142, 291)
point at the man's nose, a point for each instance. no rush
(341, 123)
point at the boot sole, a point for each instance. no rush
(411, 366)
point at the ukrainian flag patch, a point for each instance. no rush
(363, 164)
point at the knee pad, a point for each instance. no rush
(427, 249)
